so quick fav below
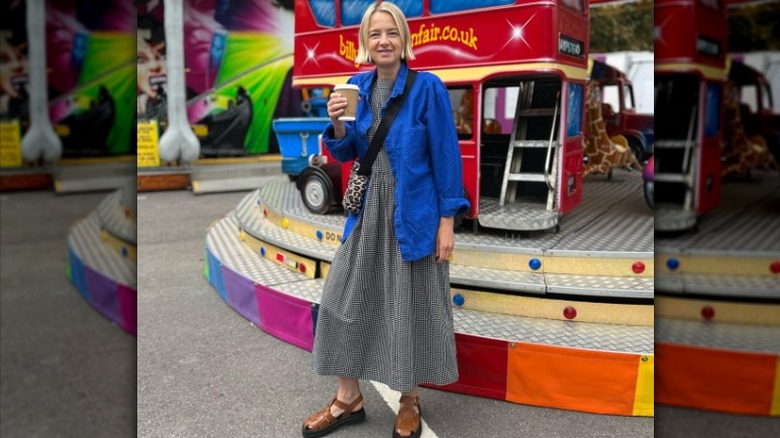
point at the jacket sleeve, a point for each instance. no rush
(342, 149)
(446, 161)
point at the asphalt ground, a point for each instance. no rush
(202, 369)
(65, 370)
(205, 371)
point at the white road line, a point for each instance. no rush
(391, 398)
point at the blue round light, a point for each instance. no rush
(262, 251)
(124, 251)
(535, 263)
(319, 235)
(673, 264)
(259, 201)
(458, 300)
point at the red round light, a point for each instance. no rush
(265, 212)
(775, 267)
(638, 267)
(570, 312)
(707, 312)
(302, 268)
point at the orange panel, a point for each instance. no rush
(574, 379)
(720, 380)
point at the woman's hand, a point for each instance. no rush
(445, 239)
(336, 105)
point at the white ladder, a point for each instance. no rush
(512, 168)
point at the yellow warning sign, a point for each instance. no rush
(10, 143)
(147, 144)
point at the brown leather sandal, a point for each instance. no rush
(408, 420)
(325, 422)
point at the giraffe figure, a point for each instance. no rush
(602, 153)
(740, 152)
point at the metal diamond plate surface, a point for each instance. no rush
(256, 225)
(751, 338)
(310, 290)
(749, 285)
(515, 216)
(591, 336)
(496, 279)
(112, 218)
(673, 218)
(636, 287)
(284, 198)
(84, 239)
(222, 239)
(223, 242)
(671, 283)
(745, 220)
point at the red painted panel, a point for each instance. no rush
(482, 365)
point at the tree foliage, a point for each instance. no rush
(622, 27)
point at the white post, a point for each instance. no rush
(40, 138)
(178, 141)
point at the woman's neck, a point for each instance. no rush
(388, 72)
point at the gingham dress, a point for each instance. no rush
(381, 318)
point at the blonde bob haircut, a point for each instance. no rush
(400, 21)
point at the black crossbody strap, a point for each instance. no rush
(384, 126)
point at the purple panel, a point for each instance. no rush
(127, 308)
(102, 293)
(240, 294)
(288, 318)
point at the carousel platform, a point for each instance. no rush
(561, 320)
(718, 304)
(102, 261)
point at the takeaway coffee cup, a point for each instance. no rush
(350, 91)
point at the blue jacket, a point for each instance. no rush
(422, 146)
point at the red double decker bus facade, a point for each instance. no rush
(690, 64)
(473, 47)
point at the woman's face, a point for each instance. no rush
(151, 65)
(13, 67)
(384, 40)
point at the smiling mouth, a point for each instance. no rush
(19, 81)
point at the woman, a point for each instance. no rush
(385, 313)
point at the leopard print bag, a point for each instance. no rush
(356, 186)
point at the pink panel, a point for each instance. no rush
(128, 308)
(288, 318)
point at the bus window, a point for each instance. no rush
(462, 103)
(324, 12)
(574, 116)
(712, 121)
(352, 10)
(574, 4)
(444, 6)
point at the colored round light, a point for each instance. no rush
(638, 267)
(775, 267)
(319, 235)
(535, 263)
(242, 235)
(124, 251)
(673, 264)
(259, 201)
(302, 268)
(265, 212)
(262, 251)
(707, 312)
(458, 300)
(285, 223)
(569, 312)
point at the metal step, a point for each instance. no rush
(672, 144)
(669, 177)
(533, 177)
(533, 143)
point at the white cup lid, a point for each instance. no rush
(346, 86)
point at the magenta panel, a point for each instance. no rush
(128, 308)
(286, 317)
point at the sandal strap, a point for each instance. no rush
(347, 408)
(325, 415)
(408, 419)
